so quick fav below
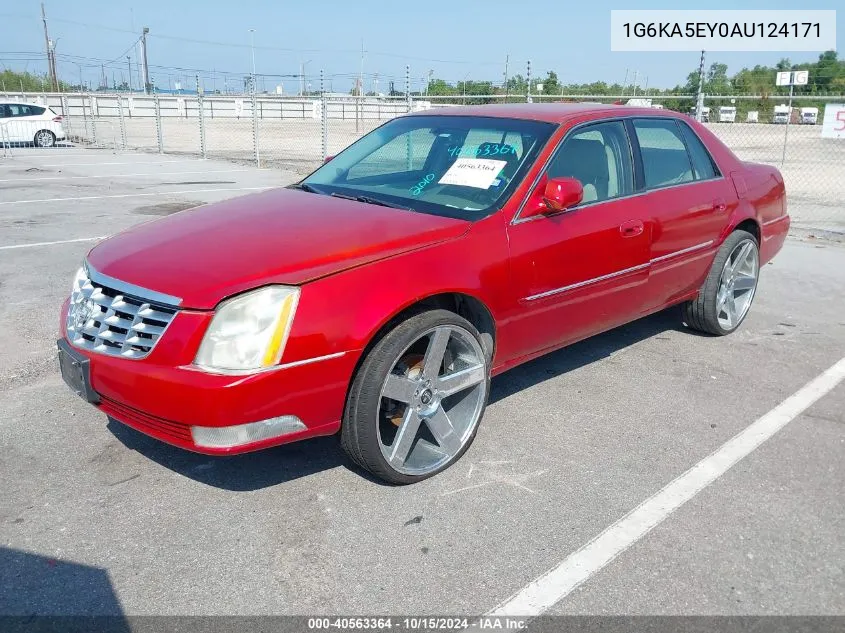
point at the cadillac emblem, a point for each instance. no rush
(82, 311)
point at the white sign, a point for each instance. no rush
(833, 125)
(539, 87)
(723, 30)
(788, 78)
(473, 172)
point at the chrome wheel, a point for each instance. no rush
(737, 284)
(45, 138)
(432, 400)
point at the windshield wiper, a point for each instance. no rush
(369, 200)
(304, 187)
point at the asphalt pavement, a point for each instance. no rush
(96, 518)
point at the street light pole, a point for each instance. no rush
(147, 85)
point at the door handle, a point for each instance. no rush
(719, 204)
(631, 228)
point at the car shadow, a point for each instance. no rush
(274, 466)
(41, 593)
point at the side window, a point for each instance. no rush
(702, 162)
(4, 111)
(15, 109)
(34, 110)
(665, 158)
(599, 156)
(407, 152)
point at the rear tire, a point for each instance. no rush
(417, 399)
(725, 298)
(44, 138)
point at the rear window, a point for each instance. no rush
(665, 158)
(22, 109)
(702, 162)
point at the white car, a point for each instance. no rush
(29, 123)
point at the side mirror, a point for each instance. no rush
(327, 159)
(561, 194)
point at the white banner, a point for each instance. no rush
(833, 125)
(729, 30)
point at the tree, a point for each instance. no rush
(716, 81)
(27, 82)
(551, 86)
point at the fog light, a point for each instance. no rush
(230, 436)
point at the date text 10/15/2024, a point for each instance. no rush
(426, 623)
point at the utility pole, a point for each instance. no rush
(144, 60)
(624, 83)
(699, 100)
(51, 59)
(636, 74)
(129, 63)
(507, 59)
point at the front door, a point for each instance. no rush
(582, 271)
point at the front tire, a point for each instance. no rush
(416, 401)
(727, 293)
(44, 138)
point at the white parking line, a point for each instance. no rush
(541, 594)
(81, 239)
(136, 195)
(155, 175)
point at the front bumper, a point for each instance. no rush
(163, 396)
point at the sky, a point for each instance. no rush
(455, 39)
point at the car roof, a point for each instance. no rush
(550, 112)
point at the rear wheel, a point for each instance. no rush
(44, 138)
(727, 293)
(417, 399)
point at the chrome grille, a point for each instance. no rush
(104, 320)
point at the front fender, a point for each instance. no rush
(343, 312)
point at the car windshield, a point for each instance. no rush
(457, 166)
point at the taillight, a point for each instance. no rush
(57, 119)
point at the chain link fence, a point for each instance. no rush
(297, 134)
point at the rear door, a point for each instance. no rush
(23, 122)
(689, 203)
(582, 271)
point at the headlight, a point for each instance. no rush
(249, 331)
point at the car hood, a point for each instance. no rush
(286, 236)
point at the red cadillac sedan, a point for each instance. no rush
(377, 297)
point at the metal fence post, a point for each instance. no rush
(408, 150)
(255, 127)
(66, 115)
(324, 118)
(158, 124)
(84, 117)
(201, 114)
(788, 119)
(122, 122)
(93, 120)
